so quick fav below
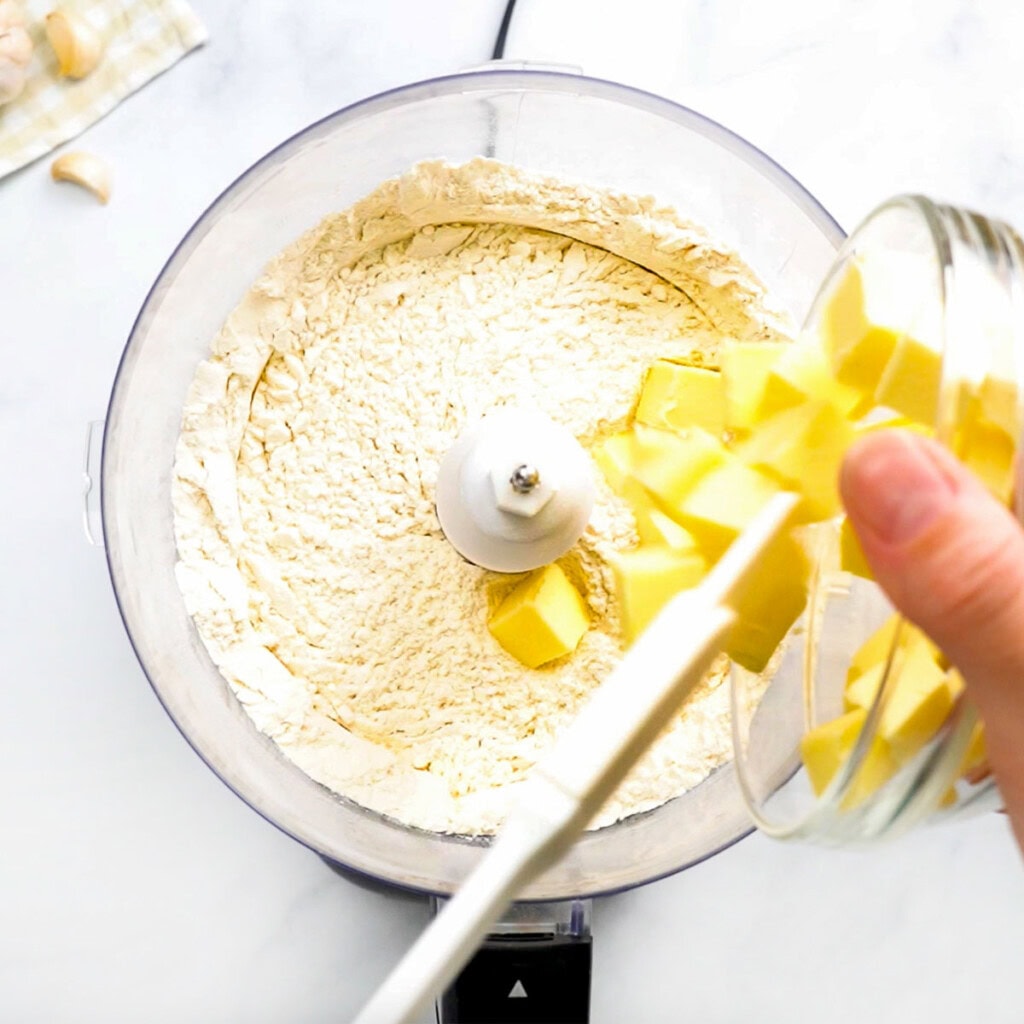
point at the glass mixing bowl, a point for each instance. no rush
(954, 282)
(554, 123)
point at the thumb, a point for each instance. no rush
(951, 558)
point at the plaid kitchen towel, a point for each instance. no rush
(142, 37)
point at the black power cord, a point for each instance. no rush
(506, 19)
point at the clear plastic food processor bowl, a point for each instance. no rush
(559, 124)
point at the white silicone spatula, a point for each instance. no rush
(566, 789)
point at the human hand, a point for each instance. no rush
(951, 558)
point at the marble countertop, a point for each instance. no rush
(133, 885)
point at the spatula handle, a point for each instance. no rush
(560, 797)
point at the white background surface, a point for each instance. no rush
(133, 885)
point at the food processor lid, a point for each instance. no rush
(565, 125)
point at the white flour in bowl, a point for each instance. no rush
(310, 554)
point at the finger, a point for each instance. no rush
(951, 558)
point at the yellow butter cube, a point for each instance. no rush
(910, 381)
(803, 448)
(954, 680)
(858, 348)
(915, 653)
(975, 758)
(768, 607)
(913, 637)
(675, 397)
(878, 767)
(988, 451)
(861, 692)
(802, 374)
(825, 749)
(851, 557)
(616, 458)
(862, 685)
(875, 649)
(999, 403)
(861, 364)
(918, 701)
(722, 503)
(915, 718)
(745, 368)
(669, 465)
(656, 528)
(888, 419)
(542, 618)
(647, 578)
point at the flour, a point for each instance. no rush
(310, 554)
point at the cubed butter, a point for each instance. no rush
(825, 749)
(916, 715)
(770, 605)
(615, 457)
(542, 618)
(803, 448)
(851, 557)
(857, 348)
(999, 403)
(915, 638)
(988, 451)
(669, 464)
(862, 685)
(910, 381)
(802, 374)
(721, 503)
(873, 653)
(745, 368)
(888, 419)
(675, 397)
(975, 759)
(656, 528)
(875, 648)
(647, 578)
(861, 692)
(878, 767)
(918, 699)
(954, 680)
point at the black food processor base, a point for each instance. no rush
(533, 969)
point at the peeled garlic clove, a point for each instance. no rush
(76, 43)
(83, 169)
(12, 81)
(11, 15)
(15, 50)
(15, 46)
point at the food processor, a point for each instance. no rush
(921, 318)
(547, 121)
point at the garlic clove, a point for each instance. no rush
(83, 169)
(15, 46)
(76, 43)
(11, 15)
(15, 50)
(12, 81)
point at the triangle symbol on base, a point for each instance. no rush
(518, 992)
